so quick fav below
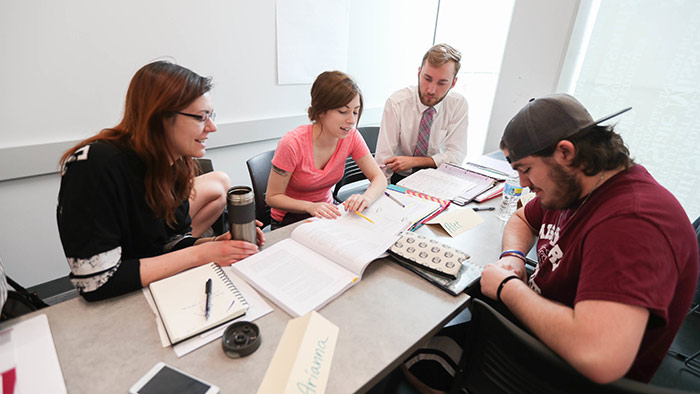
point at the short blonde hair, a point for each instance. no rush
(441, 54)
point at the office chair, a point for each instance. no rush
(352, 172)
(500, 357)
(259, 169)
(220, 226)
(691, 361)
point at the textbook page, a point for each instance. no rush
(437, 184)
(295, 277)
(323, 258)
(354, 241)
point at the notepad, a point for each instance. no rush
(181, 301)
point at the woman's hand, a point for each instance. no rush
(259, 236)
(225, 251)
(323, 210)
(356, 202)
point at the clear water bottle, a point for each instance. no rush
(511, 195)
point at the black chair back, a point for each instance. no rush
(352, 172)
(500, 357)
(696, 226)
(259, 169)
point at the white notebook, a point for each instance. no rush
(181, 301)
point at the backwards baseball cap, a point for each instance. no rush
(546, 121)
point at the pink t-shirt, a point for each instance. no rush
(295, 154)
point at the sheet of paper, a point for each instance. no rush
(438, 184)
(457, 221)
(302, 361)
(499, 165)
(258, 308)
(304, 26)
(354, 241)
(38, 370)
(295, 277)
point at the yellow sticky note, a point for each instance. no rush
(457, 221)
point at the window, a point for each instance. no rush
(645, 54)
(479, 30)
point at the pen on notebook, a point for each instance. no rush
(395, 200)
(363, 216)
(477, 209)
(207, 290)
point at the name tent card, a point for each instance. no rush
(302, 361)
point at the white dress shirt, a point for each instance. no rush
(401, 119)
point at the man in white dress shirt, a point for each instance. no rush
(426, 125)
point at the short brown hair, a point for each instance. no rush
(331, 90)
(442, 53)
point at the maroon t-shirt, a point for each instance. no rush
(631, 242)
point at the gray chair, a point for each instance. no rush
(259, 169)
(352, 172)
(691, 362)
(500, 357)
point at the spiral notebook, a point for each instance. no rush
(181, 301)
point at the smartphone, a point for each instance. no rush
(164, 379)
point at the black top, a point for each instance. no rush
(105, 224)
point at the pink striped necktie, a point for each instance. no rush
(426, 122)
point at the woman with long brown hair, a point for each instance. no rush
(123, 210)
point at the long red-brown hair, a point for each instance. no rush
(156, 92)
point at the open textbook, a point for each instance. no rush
(323, 258)
(448, 182)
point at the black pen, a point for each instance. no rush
(477, 209)
(207, 290)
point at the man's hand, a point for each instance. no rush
(399, 163)
(491, 278)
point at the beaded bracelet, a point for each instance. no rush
(503, 283)
(514, 253)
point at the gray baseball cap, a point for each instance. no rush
(546, 121)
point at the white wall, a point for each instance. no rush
(66, 66)
(535, 51)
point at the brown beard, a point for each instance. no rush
(568, 188)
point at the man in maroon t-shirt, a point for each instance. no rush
(617, 255)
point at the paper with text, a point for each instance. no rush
(457, 221)
(323, 258)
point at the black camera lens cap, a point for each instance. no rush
(241, 339)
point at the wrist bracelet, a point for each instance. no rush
(514, 253)
(503, 283)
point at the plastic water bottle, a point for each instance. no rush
(511, 195)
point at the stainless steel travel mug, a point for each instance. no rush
(241, 213)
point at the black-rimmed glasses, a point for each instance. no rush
(202, 118)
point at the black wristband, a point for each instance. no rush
(500, 287)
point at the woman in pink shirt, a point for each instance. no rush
(310, 159)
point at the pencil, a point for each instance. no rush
(361, 215)
(395, 200)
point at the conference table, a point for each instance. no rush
(106, 346)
